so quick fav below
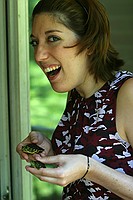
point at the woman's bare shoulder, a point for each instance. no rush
(125, 108)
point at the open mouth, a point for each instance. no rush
(52, 71)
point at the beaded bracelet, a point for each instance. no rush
(87, 167)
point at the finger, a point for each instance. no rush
(23, 155)
(49, 159)
(43, 178)
(36, 137)
(33, 137)
(23, 143)
(51, 175)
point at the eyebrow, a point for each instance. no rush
(51, 31)
(47, 32)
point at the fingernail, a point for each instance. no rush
(27, 169)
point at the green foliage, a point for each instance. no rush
(46, 191)
(46, 105)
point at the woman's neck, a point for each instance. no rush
(88, 89)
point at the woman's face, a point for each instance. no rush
(63, 67)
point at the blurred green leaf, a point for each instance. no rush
(46, 105)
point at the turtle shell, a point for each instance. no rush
(37, 164)
(32, 149)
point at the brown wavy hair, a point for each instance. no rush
(89, 20)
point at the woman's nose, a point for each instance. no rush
(41, 54)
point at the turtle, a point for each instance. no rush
(32, 149)
(37, 164)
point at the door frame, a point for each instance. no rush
(14, 92)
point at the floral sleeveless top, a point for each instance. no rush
(88, 127)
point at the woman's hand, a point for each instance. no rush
(36, 138)
(69, 168)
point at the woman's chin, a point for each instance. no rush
(59, 89)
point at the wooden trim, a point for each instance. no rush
(5, 183)
(18, 64)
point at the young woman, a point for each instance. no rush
(92, 145)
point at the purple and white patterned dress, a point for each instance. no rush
(88, 127)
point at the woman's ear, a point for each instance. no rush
(89, 52)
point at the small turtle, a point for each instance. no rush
(37, 164)
(32, 149)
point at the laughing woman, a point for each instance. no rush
(92, 146)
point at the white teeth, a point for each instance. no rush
(50, 69)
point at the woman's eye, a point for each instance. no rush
(53, 38)
(34, 43)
